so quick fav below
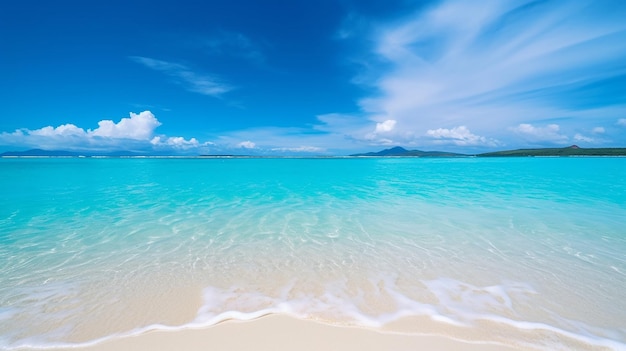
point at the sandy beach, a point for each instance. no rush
(275, 332)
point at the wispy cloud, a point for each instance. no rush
(493, 66)
(598, 130)
(580, 137)
(198, 83)
(276, 141)
(460, 136)
(300, 149)
(550, 133)
(233, 44)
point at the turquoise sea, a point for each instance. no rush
(528, 251)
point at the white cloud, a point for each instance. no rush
(460, 136)
(246, 144)
(62, 130)
(385, 126)
(385, 133)
(621, 122)
(183, 75)
(138, 126)
(549, 133)
(178, 143)
(580, 137)
(310, 149)
(138, 133)
(598, 130)
(134, 133)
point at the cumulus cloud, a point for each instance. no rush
(384, 133)
(198, 83)
(178, 143)
(62, 130)
(246, 144)
(138, 126)
(385, 126)
(598, 130)
(550, 133)
(621, 122)
(460, 136)
(135, 133)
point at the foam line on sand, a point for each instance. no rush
(278, 333)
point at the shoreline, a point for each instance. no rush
(281, 333)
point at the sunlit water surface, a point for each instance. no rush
(531, 250)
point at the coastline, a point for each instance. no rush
(281, 333)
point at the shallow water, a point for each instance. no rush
(93, 248)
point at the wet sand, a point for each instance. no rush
(278, 333)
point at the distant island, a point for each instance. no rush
(573, 150)
(40, 153)
(64, 153)
(396, 151)
(400, 151)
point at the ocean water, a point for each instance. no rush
(522, 251)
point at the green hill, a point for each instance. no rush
(565, 151)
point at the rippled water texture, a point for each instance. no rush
(533, 248)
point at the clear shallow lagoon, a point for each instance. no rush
(524, 250)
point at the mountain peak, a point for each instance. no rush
(396, 149)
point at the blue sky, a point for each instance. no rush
(311, 77)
